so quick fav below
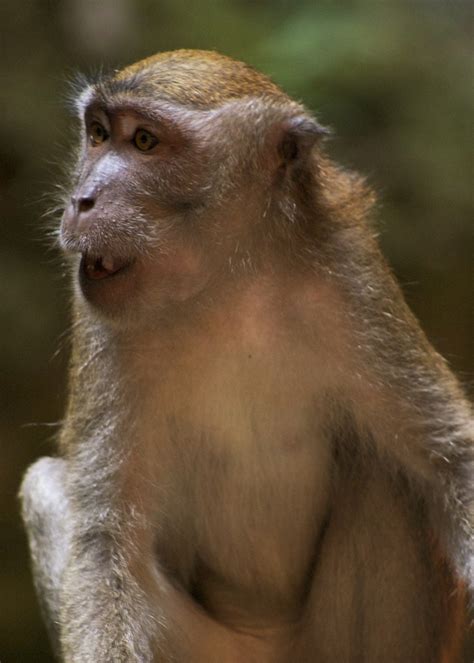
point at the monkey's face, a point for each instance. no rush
(169, 199)
(136, 221)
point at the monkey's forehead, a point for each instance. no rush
(200, 79)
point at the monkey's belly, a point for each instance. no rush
(244, 476)
(249, 528)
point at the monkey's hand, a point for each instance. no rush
(45, 511)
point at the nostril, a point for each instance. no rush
(85, 204)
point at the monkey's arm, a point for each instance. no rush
(46, 514)
(67, 584)
(410, 403)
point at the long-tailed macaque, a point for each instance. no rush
(263, 459)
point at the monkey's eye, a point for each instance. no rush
(97, 133)
(144, 140)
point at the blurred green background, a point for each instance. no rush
(393, 79)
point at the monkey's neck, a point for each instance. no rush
(113, 369)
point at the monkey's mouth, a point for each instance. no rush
(98, 267)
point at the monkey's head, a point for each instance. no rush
(190, 170)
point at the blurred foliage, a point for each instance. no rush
(392, 78)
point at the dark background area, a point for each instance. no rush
(392, 78)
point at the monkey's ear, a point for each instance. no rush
(295, 138)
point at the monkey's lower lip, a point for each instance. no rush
(98, 267)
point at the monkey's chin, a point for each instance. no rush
(106, 282)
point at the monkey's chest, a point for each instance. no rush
(242, 496)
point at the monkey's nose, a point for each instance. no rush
(83, 204)
(79, 215)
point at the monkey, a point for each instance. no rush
(263, 459)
